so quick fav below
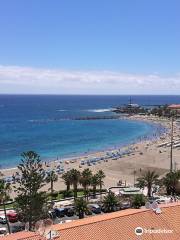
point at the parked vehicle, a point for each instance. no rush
(59, 212)
(152, 199)
(12, 217)
(60, 170)
(125, 205)
(17, 228)
(2, 219)
(52, 214)
(88, 212)
(95, 208)
(69, 211)
(3, 231)
(160, 201)
(114, 209)
(163, 200)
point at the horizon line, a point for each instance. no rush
(79, 94)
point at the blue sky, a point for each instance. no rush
(90, 46)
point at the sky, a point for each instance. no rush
(90, 46)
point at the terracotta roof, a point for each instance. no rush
(119, 226)
(21, 236)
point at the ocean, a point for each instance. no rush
(45, 124)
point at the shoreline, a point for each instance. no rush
(92, 153)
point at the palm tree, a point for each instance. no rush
(81, 207)
(170, 181)
(101, 175)
(94, 183)
(74, 179)
(147, 180)
(67, 180)
(5, 189)
(85, 180)
(110, 201)
(51, 178)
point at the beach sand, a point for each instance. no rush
(145, 155)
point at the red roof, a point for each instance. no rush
(117, 226)
(22, 236)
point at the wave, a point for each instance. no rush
(47, 120)
(89, 110)
(61, 110)
(100, 110)
(43, 120)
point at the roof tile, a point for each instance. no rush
(117, 226)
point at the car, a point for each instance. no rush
(17, 228)
(125, 205)
(52, 214)
(12, 217)
(3, 219)
(69, 211)
(60, 170)
(160, 201)
(152, 199)
(3, 231)
(105, 210)
(88, 212)
(60, 212)
(95, 208)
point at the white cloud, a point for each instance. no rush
(16, 79)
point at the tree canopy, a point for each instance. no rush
(31, 201)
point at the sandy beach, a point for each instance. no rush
(143, 155)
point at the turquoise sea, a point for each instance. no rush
(45, 124)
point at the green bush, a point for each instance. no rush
(138, 201)
(67, 194)
(97, 190)
(54, 195)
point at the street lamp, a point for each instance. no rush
(134, 177)
(171, 151)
